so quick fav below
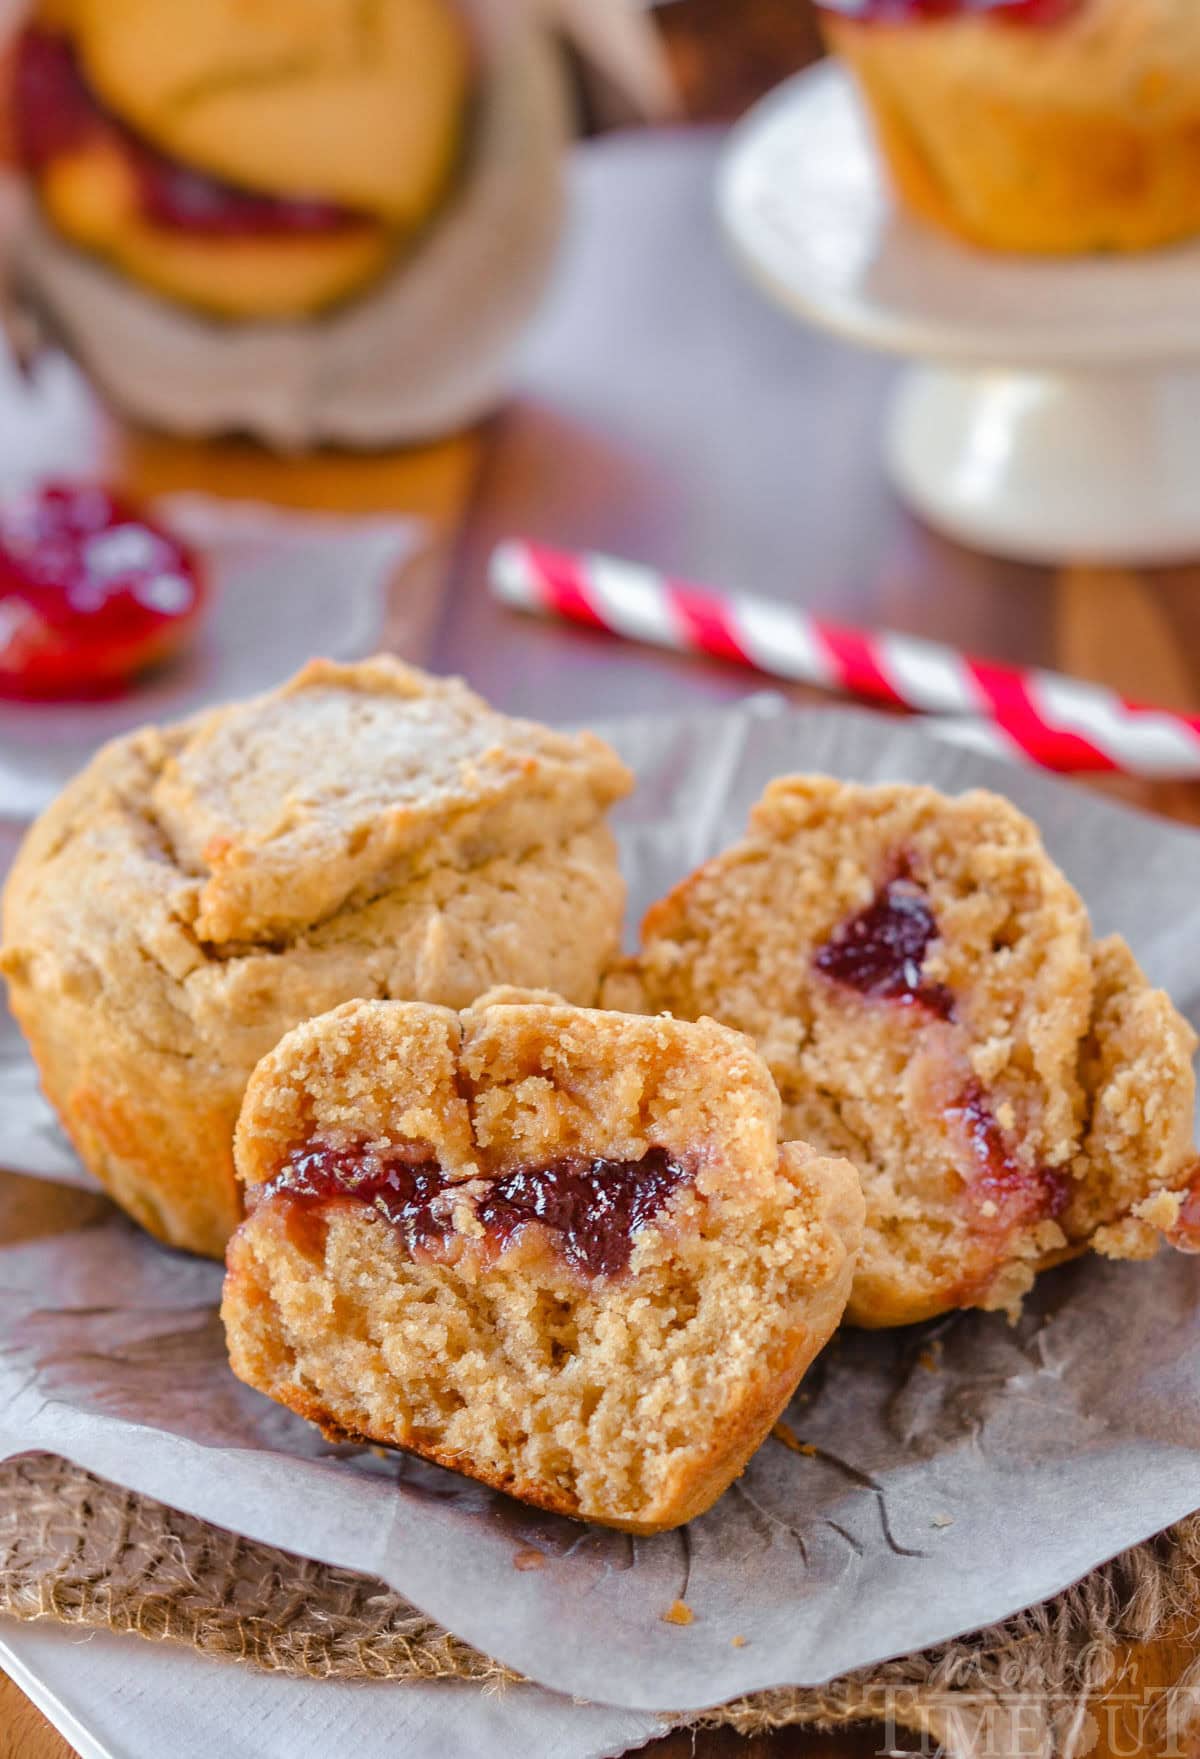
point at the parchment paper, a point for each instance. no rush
(114, 1696)
(962, 1470)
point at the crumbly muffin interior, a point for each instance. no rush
(923, 983)
(628, 1398)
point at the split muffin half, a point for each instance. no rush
(556, 1249)
(925, 986)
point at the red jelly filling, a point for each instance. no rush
(56, 112)
(173, 195)
(1026, 12)
(1185, 1235)
(91, 591)
(592, 1207)
(1003, 1193)
(53, 112)
(880, 951)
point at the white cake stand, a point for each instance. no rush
(1054, 412)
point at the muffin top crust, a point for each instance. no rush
(351, 778)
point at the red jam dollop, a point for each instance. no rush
(92, 592)
(1020, 12)
(55, 112)
(592, 1208)
(880, 951)
(1003, 1194)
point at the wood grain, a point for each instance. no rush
(24, 1731)
(791, 1743)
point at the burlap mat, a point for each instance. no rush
(82, 1551)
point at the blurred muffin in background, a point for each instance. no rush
(1051, 126)
(252, 158)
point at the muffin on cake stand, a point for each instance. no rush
(1051, 407)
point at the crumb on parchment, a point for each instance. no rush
(1161, 1209)
(678, 1613)
(787, 1435)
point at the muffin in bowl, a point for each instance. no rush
(1044, 126)
(260, 160)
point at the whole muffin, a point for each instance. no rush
(198, 890)
(254, 158)
(1035, 125)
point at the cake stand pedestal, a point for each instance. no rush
(1052, 410)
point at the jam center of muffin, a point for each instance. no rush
(90, 590)
(880, 951)
(1185, 1235)
(175, 195)
(404, 1185)
(55, 112)
(1002, 1193)
(592, 1208)
(1026, 12)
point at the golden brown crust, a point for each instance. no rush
(629, 1400)
(1078, 136)
(363, 776)
(145, 1029)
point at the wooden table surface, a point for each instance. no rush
(553, 471)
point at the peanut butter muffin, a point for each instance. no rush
(924, 985)
(556, 1249)
(365, 830)
(1035, 125)
(256, 159)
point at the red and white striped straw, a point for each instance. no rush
(1057, 722)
